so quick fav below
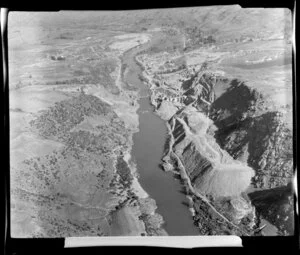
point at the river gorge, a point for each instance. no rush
(157, 122)
(147, 151)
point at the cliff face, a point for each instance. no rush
(254, 135)
(246, 128)
(197, 166)
(276, 205)
(250, 132)
(212, 173)
(227, 139)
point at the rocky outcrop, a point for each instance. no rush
(277, 206)
(166, 110)
(260, 138)
(255, 136)
(236, 103)
(197, 166)
(211, 176)
(211, 172)
(228, 139)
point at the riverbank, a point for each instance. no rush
(148, 148)
(129, 77)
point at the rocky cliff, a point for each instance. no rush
(277, 206)
(252, 134)
(228, 140)
(210, 173)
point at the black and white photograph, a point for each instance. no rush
(151, 122)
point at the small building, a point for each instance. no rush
(57, 57)
(60, 58)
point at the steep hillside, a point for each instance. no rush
(211, 171)
(276, 205)
(252, 134)
(230, 130)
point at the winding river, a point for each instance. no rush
(147, 152)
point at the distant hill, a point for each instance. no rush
(224, 22)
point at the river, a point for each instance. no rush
(147, 152)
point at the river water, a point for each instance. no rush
(147, 152)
